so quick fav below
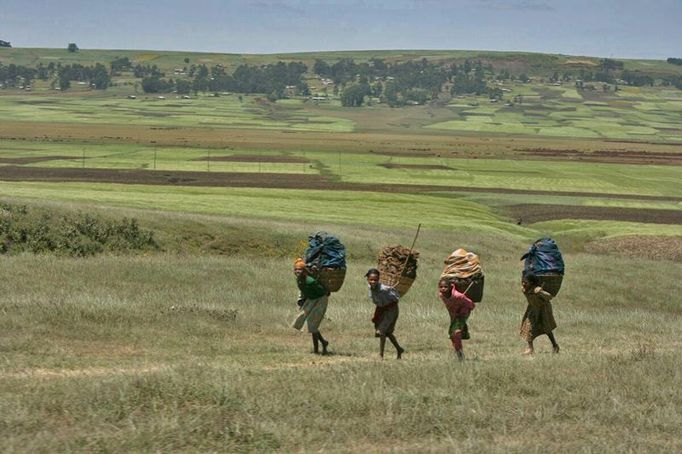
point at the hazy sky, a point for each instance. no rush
(604, 28)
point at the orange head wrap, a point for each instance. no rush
(299, 264)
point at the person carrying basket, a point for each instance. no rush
(386, 299)
(312, 303)
(459, 306)
(539, 317)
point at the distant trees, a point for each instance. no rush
(608, 64)
(156, 85)
(5, 43)
(119, 65)
(354, 95)
(183, 87)
(99, 78)
(276, 80)
(636, 78)
(676, 81)
(140, 71)
(72, 47)
(674, 61)
(15, 75)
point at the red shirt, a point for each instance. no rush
(457, 304)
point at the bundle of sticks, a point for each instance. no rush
(398, 260)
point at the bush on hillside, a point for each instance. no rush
(71, 234)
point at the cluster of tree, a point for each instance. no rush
(96, 76)
(140, 71)
(119, 65)
(272, 79)
(15, 75)
(636, 78)
(72, 47)
(675, 81)
(674, 61)
(411, 82)
(5, 43)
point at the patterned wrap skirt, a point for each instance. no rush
(311, 314)
(538, 320)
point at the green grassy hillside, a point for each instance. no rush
(531, 63)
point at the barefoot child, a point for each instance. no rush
(459, 306)
(385, 299)
(312, 302)
(538, 319)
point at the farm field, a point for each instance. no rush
(187, 346)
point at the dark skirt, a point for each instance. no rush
(385, 320)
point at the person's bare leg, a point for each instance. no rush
(555, 345)
(316, 347)
(529, 350)
(324, 343)
(457, 343)
(397, 346)
(382, 345)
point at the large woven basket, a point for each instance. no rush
(475, 292)
(401, 283)
(551, 282)
(332, 278)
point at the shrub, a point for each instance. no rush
(72, 234)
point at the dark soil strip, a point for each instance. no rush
(256, 158)
(151, 177)
(410, 154)
(640, 246)
(608, 156)
(389, 165)
(264, 180)
(530, 213)
(32, 160)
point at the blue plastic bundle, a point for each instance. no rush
(325, 251)
(543, 257)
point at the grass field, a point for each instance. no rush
(186, 353)
(187, 346)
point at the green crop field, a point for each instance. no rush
(186, 345)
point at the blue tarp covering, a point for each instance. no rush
(543, 257)
(325, 251)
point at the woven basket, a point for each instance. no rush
(550, 282)
(332, 278)
(475, 292)
(401, 283)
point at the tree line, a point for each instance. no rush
(96, 76)
(275, 80)
(395, 83)
(418, 82)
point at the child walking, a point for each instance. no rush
(385, 299)
(459, 307)
(539, 318)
